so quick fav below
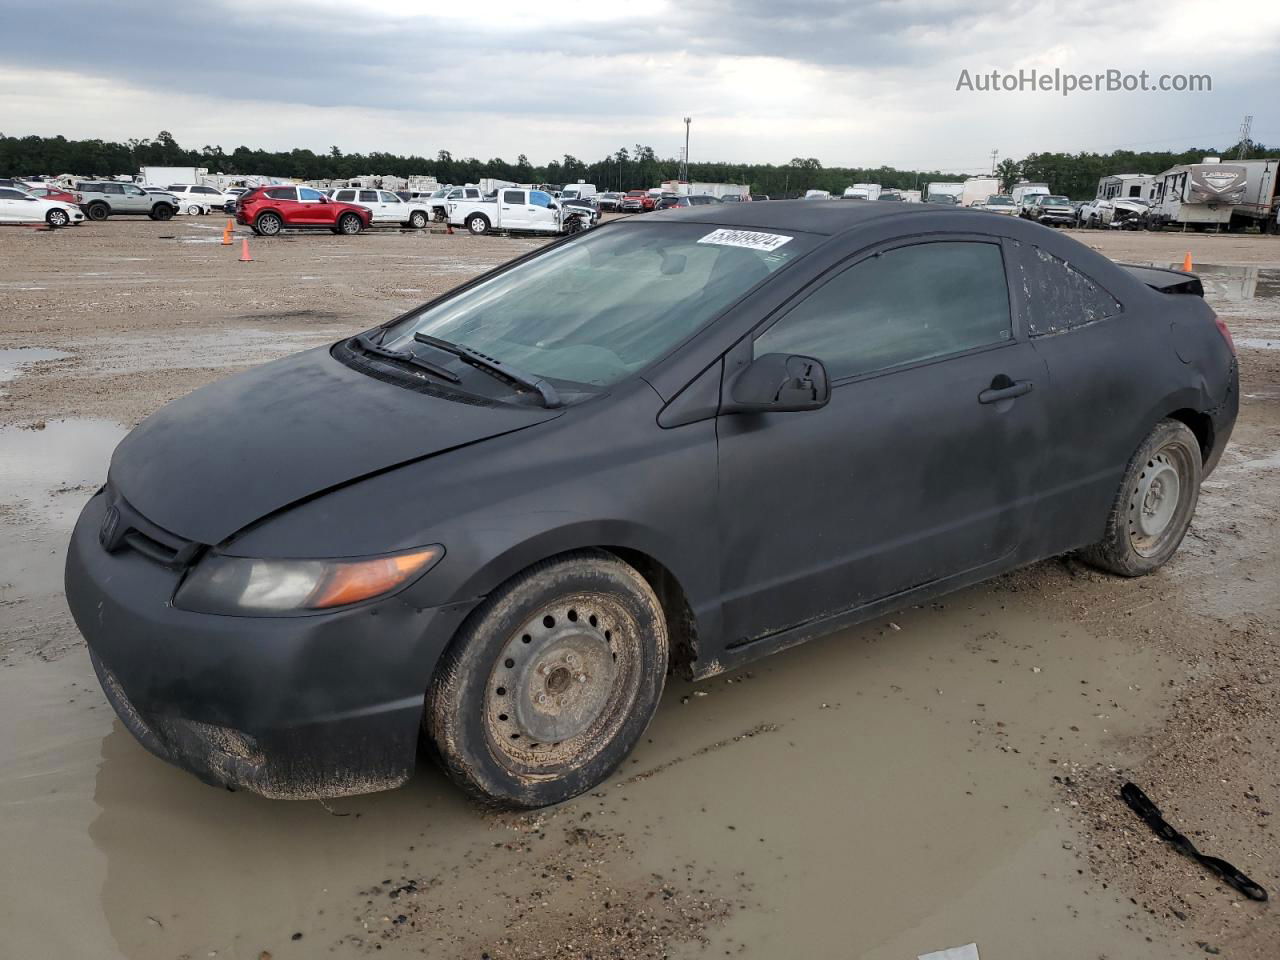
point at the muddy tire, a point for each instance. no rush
(268, 225)
(162, 211)
(550, 683)
(478, 224)
(349, 224)
(1155, 503)
(97, 211)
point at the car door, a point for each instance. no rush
(136, 200)
(542, 215)
(514, 210)
(313, 208)
(1098, 390)
(918, 469)
(14, 207)
(394, 210)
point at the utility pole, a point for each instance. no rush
(995, 156)
(1245, 129)
(684, 172)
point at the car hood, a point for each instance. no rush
(233, 452)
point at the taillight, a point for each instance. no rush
(1226, 334)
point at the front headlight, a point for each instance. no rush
(246, 586)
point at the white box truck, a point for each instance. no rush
(977, 189)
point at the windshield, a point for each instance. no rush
(607, 303)
(1000, 201)
(1056, 200)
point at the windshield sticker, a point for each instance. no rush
(745, 238)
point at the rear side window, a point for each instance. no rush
(900, 306)
(512, 196)
(282, 193)
(368, 196)
(1058, 296)
(6, 194)
(345, 195)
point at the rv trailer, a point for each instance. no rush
(1198, 195)
(1124, 186)
(1258, 207)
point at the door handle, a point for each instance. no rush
(995, 394)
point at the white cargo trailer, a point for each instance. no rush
(935, 192)
(977, 189)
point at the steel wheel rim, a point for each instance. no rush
(1156, 499)
(563, 684)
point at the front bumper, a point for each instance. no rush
(286, 707)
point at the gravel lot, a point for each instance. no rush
(944, 775)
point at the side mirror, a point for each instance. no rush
(778, 383)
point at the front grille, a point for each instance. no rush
(124, 528)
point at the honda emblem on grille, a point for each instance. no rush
(110, 527)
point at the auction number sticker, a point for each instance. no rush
(745, 238)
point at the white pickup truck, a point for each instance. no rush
(512, 209)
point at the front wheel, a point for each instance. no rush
(57, 218)
(478, 224)
(418, 220)
(1153, 508)
(349, 224)
(162, 211)
(551, 682)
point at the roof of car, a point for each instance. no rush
(826, 217)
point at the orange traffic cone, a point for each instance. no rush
(226, 235)
(245, 256)
(1186, 263)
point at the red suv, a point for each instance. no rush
(270, 209)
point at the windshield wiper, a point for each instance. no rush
(550, 398)
(369, 345)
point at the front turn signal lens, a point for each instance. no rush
(359, 580)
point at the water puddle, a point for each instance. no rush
(1233, 284)
(37, 466)
(13, 363)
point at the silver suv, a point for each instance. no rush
(103, 198)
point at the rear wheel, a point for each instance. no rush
(1154, 506)
(57, 218)
(349, 224)
(98, 211)
(268, 224)
(193, 210)
(551, 682)
(478, 224)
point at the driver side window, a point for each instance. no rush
(900, 306)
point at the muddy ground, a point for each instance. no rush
(944, 775)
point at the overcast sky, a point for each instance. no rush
(850, 83)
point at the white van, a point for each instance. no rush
(578, 191)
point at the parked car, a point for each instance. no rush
(999, 203)
(891, 195)
(209, 197)
(101, 199)
(56, 193)
(698, 200)
(611, 202)
(235, 193)
(191, 206)
(637, 201)
(496, 521)
(1119, 213)
(759, 196)
(20, 206)
(268, 210)
(388, 207)
(511, 210)
(1052, 211)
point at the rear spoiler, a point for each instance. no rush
(1166, 281)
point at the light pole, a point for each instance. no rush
(684, 173)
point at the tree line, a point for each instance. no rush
(1073, 174)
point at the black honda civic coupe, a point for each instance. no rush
(494, 524)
